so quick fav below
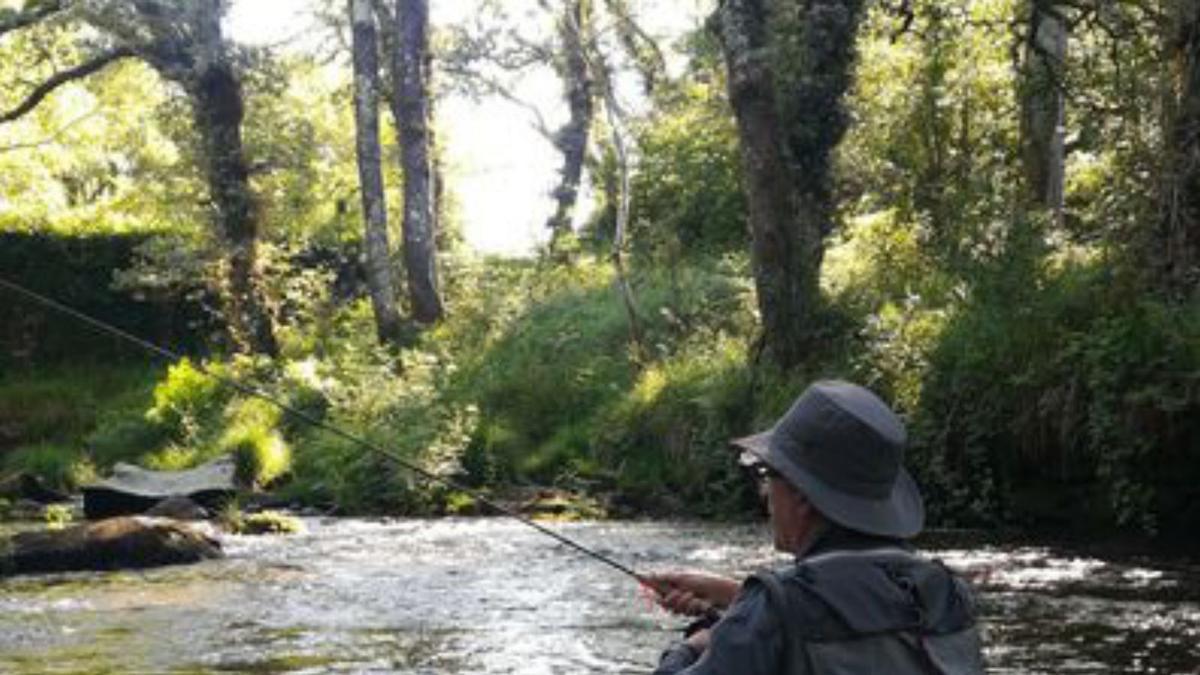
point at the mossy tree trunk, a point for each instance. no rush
(215, 93)
(1042, 107)
(183, 42)
(1177, 249)
(789, 64)
(572, 139)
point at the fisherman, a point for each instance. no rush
(857, 599)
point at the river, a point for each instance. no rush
(489, 596)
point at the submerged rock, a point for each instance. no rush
(116, 543)
(179, 508)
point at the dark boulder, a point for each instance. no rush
(132, 489)
(178, 508)
(30, 487)
(116, 543)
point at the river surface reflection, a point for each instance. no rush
(489, 596)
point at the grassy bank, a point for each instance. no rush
(48, 416)
(1054, 402)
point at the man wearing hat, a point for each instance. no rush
(857, 599)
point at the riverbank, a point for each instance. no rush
(534, 383)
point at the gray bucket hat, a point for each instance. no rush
(844, 449)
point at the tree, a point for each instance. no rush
(183, 42)
(789, 66)
(574, 34)
(647, 56)
(1179, 231)
(406, 37)
(1042, 105)
(366, 114)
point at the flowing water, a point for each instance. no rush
(490, 596)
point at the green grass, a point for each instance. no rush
(48, 417)
(65, 403)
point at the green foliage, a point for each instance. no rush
(261, 455)
(58, 516)
(667, 439)
(124, 436)
(539, 417)
(1042, 380)
(265, 522)
(78, 271)
(941, 144)
(172, 457)
(186, 401)
(460, 504)
(61, 467)
(203, 418)
(93, 158)
(57, 411)
(686, 196)
(1068, 405)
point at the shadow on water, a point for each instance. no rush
(488, 596)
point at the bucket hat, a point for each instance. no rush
(843, 448)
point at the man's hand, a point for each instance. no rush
(692, 593)
(699, 640)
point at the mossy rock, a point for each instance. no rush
(116, 543)
(561, 505)
(265, 522)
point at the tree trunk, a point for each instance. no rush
(410, 105)
(788, 124)
(370, 172)
(217, 106)
(572, 139)
(1042, 108)
(1178, 254)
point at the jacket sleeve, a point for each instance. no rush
(745, 642)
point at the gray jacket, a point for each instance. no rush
(855, 605)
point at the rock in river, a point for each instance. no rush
(132, 489)
(114, 543)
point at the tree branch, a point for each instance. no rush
(53, 138)
(12, 20)
(641, 47)
(59, 79)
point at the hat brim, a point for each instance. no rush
(901, 514)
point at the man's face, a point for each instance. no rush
(791, 515)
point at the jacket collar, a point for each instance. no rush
(837, 538)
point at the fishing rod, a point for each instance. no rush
(337, 431)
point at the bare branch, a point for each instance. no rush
(476, 84)
(11, 20)
(641, 47)
(59, 79)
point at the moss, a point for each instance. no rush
(563, 506)
(265, 522)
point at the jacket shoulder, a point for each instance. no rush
(842, 595)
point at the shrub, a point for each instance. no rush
(260, 456)
(668, 438)
(187, 401)
(123, 438)
(58, 466)
(1067, 405)
(172, 457)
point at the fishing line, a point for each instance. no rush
(321, 424)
